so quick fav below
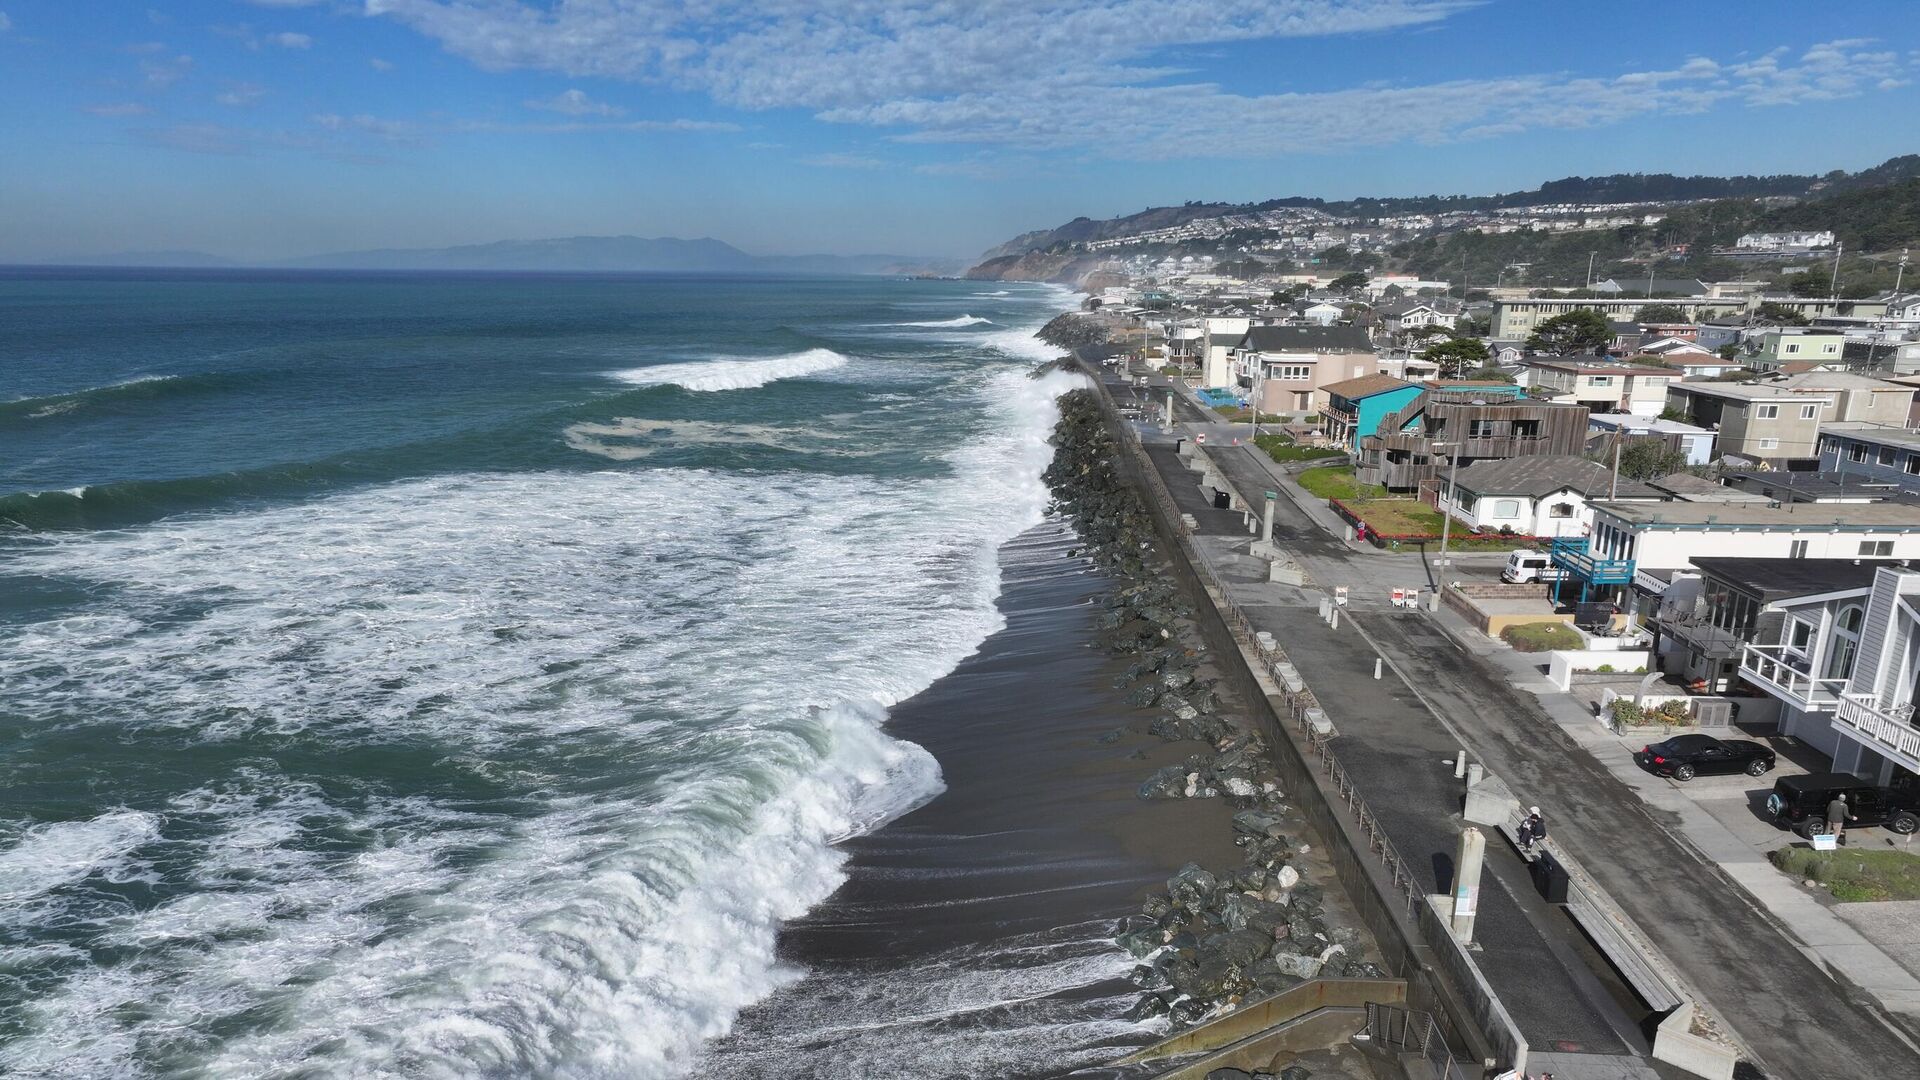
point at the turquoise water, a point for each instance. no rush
(466, 676)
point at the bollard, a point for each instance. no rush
(1266, 530)
(1475, 773)
(1460, 764)
(1377, 661)
(1169, 418)
(1466, 881)
(1336, 617)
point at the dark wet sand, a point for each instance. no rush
(971, 937)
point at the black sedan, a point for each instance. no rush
(1684, 757)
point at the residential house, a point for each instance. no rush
(1778, 420)
(1644, 544)
(1872, 451)
(1412, 314)
(1603, 386)
(1289, 366)
(1788, 343)
(1464, 426)
(1506, 353)
(1771, 623)
(1539, 495)
(1785, 241)
(1355, 408)
(1686, 487)
(1824, 488)
(1319, 312)
(1697, 443)
(1220, 337)
(1839, 646)
(1902, 309)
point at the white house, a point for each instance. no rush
(1221, 336)
(1321, 314)
(1534, 496)
(1603, 386)
(1785, 241)
(1695, 442)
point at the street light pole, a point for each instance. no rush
(1259, 377)
(1446, 516)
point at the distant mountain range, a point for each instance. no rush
(573, 253)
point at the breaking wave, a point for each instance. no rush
(733, 374)
(963, 320)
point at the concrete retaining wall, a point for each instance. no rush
(1562, 663)
(1481, 606)
(1675, 1044)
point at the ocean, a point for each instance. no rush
(470, 676)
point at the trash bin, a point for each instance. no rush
(1550, 878)
(1222, 500)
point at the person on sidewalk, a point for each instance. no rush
(1837, 818)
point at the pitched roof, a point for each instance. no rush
(1535, 475)
(1317, 338)
(1366, 386)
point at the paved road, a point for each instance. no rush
(1799, 1021)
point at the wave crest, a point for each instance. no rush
(706, 376)
(963, 320)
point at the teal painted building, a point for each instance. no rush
(1355, 407)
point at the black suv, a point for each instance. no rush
(1800, 803)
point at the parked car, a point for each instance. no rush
(1684, 757)
(1524, 566)
(1800, 803)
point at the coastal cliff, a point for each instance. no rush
(1054, 267)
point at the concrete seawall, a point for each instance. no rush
(1377, 882)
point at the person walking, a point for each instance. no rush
(1837, 818)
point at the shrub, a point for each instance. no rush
(1675, 712)
(1628, 712)
(1540, 637)
(1604, 669)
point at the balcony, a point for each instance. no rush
(1571, 553)
(1769, 668)
(1889, 731)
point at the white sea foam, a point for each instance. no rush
(685, 672)
(44, 857)
(735, 373)
(963, 320)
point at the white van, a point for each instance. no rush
(1524, 566)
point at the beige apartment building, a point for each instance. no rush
(1779, 419)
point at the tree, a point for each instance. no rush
(1654, 313)
(1391, 292)
(1650, 459)
(1457, 354)
(1421, 333)
(1468, 326)
(1582, 330)
(1351, 280)
(1727, 351)
(1781, 314)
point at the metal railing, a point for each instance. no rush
(1411, 1031)
(1889, 729)
(1399, 872)
(1779, 676)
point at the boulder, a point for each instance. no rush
(1238, 947)
(1296, 965)
(1192, 887)
(1239, 787)
(1257, 823)
(1148, 1007)
(1167, 782)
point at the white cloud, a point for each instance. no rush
(160, 74)
(378, 64)
(119, 108)
(839, 160)
(5, 23)
(240, 94)
(290, 40)
(1083, 73)
(575, 103)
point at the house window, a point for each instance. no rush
(1846, 642)
(1913, 463)
(1294, 372)
(1599, 380)
(1793, 347)
(1857, 452)
(1797, 549)
(1769, 444)
(1506, 508)
(1480, 429)
(1886, 455)
(1808, 412)
(1878, 549)
(1799, 636)
(1560, 510)
(1766, 412)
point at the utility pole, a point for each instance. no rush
(1833, 287)
(1590, 258)
(1619, 439)
(1900, 275)
(1259, 376)
(1446, 516)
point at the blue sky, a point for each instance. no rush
(266, 128)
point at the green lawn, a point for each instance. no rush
(1541, 637)
(1284, 450)
(1397, 517)
(1853, 876)
(1336, 482)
